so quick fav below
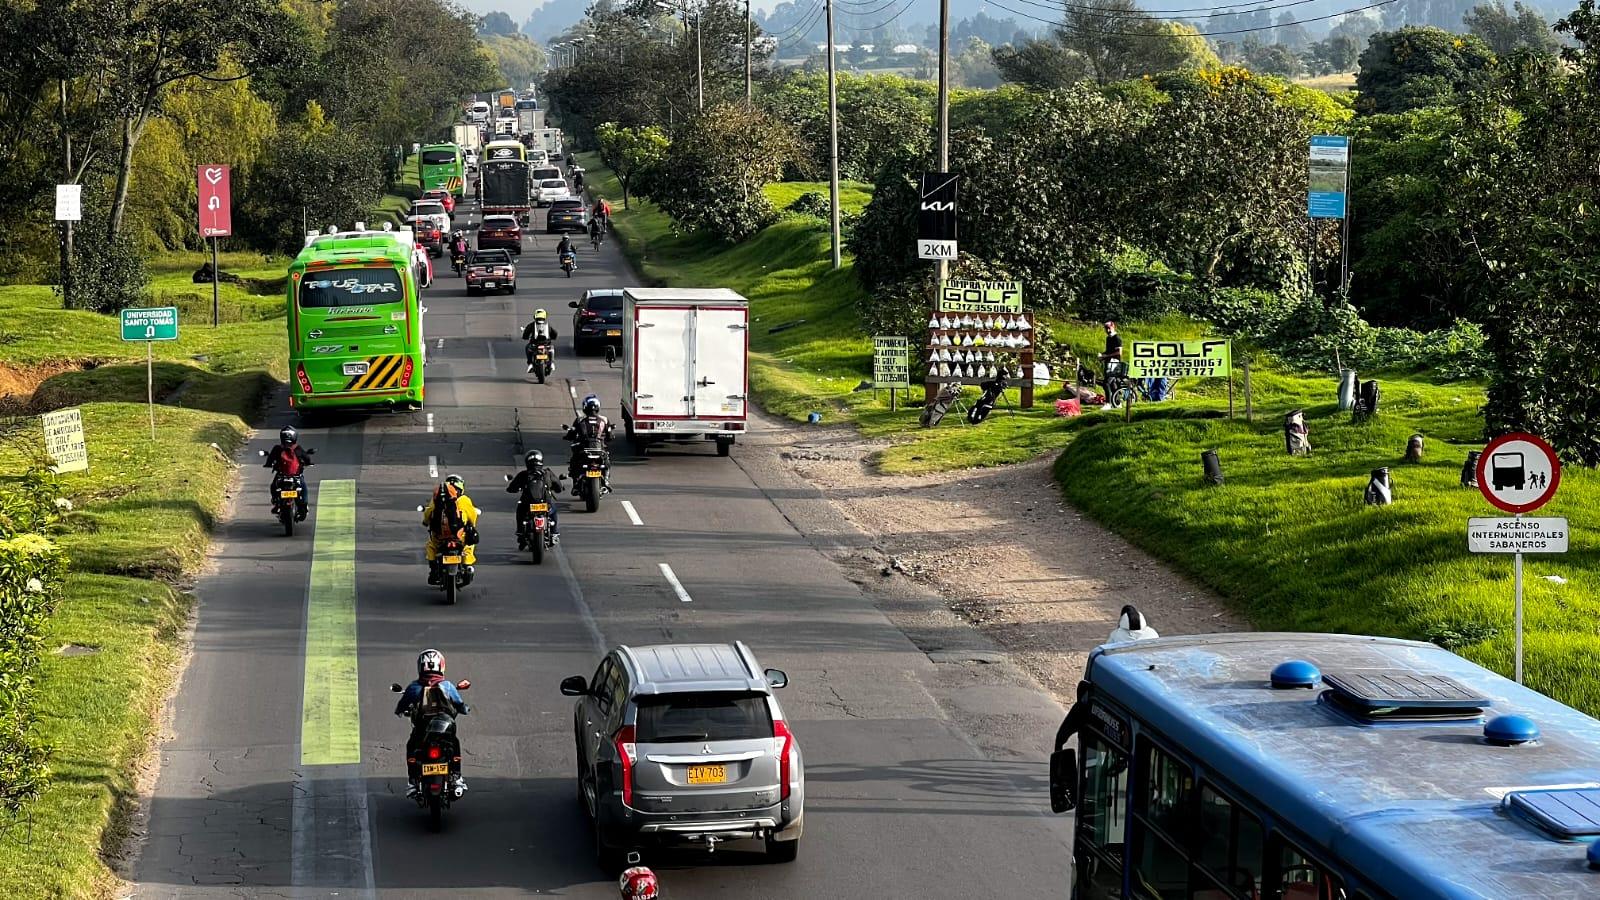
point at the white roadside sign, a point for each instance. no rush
(1514, 535)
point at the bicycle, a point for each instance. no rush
(1121, 391)
(597, 237)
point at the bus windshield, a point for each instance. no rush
(438, 157)
(352, 287)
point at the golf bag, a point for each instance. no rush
(934, 412)
(1380, 488)
(1367, 400)
(1296, 436)
(992, 390)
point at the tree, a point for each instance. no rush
(880, 117)
(1290, 33)
(1338, 53)
(715, 170)
(1120, 41)
(162, 43)
(315, 173)
(1271, 59)
(1527, 191)
(497, 23)
(519, 60)
(631, 152)
(1505, 33)
(1419, 66)
(972, 66)
(1041, 63)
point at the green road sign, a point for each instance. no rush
(158, 323)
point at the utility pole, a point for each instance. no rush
(944, 103)
(699, 66)
(833, 140)
(66, 178)
(747, 52)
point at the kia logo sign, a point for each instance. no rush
(936, 215)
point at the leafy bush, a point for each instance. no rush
(31, 568)
(1130, 286)
(811, 203)
(712, 177)
(108, 272)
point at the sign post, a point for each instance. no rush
(158, 323)
(216, 217)
(63, 441)
(891, 364)
(69, 209)
(1328, 191)
(1518, 473)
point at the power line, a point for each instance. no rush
(903, 8)
(1066, 27)
(801, 35)
(1106, 12)
(790, 31)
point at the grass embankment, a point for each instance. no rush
(142, 518)
(1287, 540)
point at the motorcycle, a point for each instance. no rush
(534, 531)
(458, 261)
(569, 261)
(541, 358)
(289, 497)
(454, 573)
(592, 482)
(437, 765)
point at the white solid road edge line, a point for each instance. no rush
(633, 514)
(677, 586)
(433, 467)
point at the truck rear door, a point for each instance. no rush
(719, 362)
(662, 338)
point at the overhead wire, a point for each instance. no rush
(802, 34)
(1106, 12)
(792, 29)
(1070, 28)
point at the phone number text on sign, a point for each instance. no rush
(1180, 359)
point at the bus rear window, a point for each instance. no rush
(438, 157)
(351, 287)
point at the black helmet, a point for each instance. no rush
(534, 460)
(288, 436)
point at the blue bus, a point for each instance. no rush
(1322, 767)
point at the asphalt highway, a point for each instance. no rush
(283, 773)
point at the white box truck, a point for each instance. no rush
(685, 370)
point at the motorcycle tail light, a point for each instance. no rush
(627, 755)
(434, 752)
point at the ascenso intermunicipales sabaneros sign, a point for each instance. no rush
(1514, 535)
(1180, 359)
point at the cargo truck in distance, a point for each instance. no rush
(503, 189)
(685, 366)
(530, 120)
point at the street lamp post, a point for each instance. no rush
(833, 142)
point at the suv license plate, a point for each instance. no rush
(489, 284)
(708, 774)
(359, 368)
(436, 768)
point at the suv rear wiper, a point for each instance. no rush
(674, 738)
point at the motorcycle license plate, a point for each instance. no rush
(436, 768)
(538, 507)
(287, 494)
(541, 356)
(450, 560)
(708, 774)
(359, 368)
(592, 473)
(613, 332)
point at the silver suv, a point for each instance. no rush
(685, 743)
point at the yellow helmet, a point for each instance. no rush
(540, 314)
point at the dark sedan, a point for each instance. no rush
(598, 320)
(567, 215)
(500, 232)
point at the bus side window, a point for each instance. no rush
(1161, 824)
(1102, 817)
(1229, 844)
(1298, 877)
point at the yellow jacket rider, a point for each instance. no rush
(437, 518)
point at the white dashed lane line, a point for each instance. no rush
(433, 467)
(677, 586)
(633, 514)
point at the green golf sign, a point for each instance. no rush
(158, 323)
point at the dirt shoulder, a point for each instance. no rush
(998, 549)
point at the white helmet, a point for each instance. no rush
(430, 662)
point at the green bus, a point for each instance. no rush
(355, 322)
(442, 166)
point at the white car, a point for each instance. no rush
(431, 211)
(538, 158)
(553, 189)
(479, 113)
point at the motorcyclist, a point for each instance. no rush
(639, 883)
(458, 247)
(287, 459)
(540, 329)
(565, 247)
(450, 513)
(421, 702)
(536, 484)
(589, 428)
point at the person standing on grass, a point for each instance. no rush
(1113, 348)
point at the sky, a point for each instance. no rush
(519, 10)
